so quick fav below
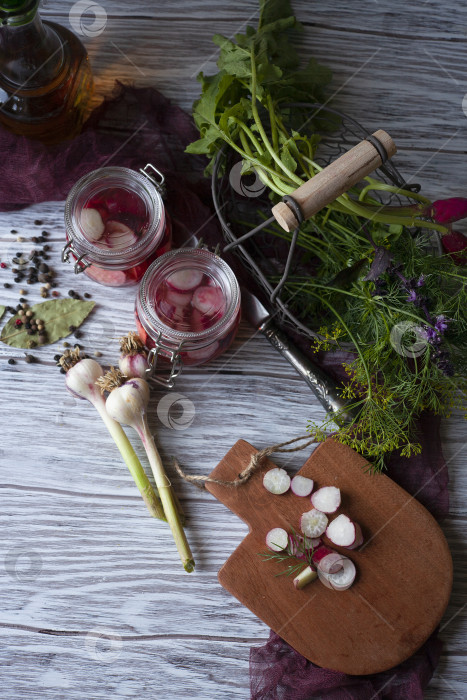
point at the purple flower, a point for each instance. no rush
(412, 296)
(430, 333)
(441, 323)
(421, 281)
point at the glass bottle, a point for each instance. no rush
(116, 224)
(187, 308)
(45, 77)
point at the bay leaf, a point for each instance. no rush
(57, 314)
(2, 310)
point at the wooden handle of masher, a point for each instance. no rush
(337, 178)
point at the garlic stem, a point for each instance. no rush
(168, 498)
(132, 462)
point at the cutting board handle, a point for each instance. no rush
(337, 178)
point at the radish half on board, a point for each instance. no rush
(277, 539)
(301, 485)
(276, 481)
(327, 499)
(313, 523)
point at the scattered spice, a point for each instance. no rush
(55, 293)
(3, 265)
(11, 361)
(7, 285)
(20, 239)
(18, 322)
(87, 295)
(30, 358)
(38, 222)
(22, 291)
(97, 353)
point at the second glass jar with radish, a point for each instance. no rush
(116, 224)
(187, 308)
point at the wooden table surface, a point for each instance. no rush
(93, 601)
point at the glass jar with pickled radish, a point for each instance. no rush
(187, 308)
(116, 224)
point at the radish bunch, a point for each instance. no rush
(334, 570)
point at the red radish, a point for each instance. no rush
(313, 523)
(339, 580)
(276, 481)
(302, 547)
(208, 300)
(358, 537)
(320, 552)
(92, 224)
(301, 486)
(118, 235)
(305, 577)
(277, 539)
(327, 499)
(185, 280)
(342, 531)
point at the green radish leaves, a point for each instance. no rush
(57, 316)
(259, 69)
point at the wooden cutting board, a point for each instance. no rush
(404, 569)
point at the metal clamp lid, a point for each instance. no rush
(172, 355)
(81, 264)
(150, 171)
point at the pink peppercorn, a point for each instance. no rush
(18, 322)
(3, 265)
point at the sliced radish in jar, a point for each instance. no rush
(277, 539)
(327, 499)
(339, 580)
(301, 486)
(313, 523)
(118, 235)
(92, 224)
(208, 300)
(341, 531)
(358, 537)
(178, 298)
(111, 278)
(276, 481)
(185, 280)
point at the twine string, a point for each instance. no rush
(255, 462)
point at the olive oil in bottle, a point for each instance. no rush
(45, 77)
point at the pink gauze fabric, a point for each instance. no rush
(139, 125)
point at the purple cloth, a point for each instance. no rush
(139, 125)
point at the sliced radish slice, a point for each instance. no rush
(301, 486)
(358, 537)
(277, 539)
(305, 577)
(110, 278)
(327, 499)
(340, 580)
(118, 235)
(313, 523)
(331, 563)
(276, 481)
(208, 300)
(185, 280)
(301, 547)
(92, 224)
(341, 531)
